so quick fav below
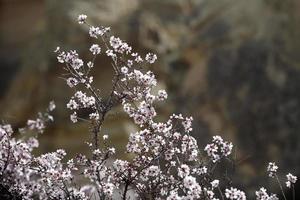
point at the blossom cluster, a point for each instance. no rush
(291, 179)
(262, 194)
(272, 169)
(28, 176)
(234, 193)
(218, 148)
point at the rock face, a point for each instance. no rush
(233, 65)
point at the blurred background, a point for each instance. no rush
(234, 65)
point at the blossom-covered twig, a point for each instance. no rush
(166, 162)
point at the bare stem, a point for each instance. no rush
(280, 187)
(294, 196)
(220, 192)
(125, 190)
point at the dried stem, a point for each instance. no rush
(280, 187)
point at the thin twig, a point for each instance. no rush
(280, 187)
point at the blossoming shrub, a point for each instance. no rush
(166, 160)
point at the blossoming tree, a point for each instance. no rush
(166, 162)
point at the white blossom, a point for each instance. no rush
(90, 64)
(94, 116)
(234, 193)
(183, 171)
(162, 95)
(82, 18)
(262, 194)
(57, 49)
(272, 169)
(215, 183)
(52, 106)
(105, 137)
(124, 70)
(95, 49)
(73, 117)
(72, 82)
(291, 179)
(77, 63)
(151, 58)
(96, 31)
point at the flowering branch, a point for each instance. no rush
(166, 161)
